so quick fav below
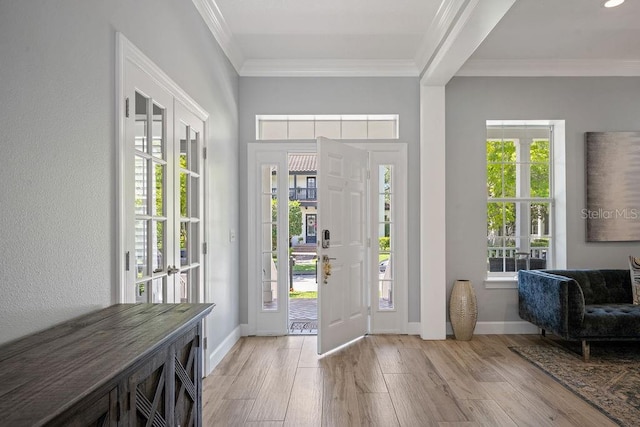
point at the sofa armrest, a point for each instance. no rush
(551, 302)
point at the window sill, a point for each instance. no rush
(505, 282)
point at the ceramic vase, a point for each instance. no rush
(463, 310)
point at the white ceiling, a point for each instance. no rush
(328, 29)
(435, 39)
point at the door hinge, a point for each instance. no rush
(126, 107)
(204, 343)
(369, 310)
(204, 248)
(204, 153)
(368, 242)
(368, 174)
(126, 261)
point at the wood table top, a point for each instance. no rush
(43, 374)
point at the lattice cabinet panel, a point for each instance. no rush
(186, 364)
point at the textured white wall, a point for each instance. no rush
(586, 104)
(57, 198)
(335, 95)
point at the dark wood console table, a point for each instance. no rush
(125, 365)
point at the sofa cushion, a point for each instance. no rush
(611, 320)
(634, 269)
(601, 286)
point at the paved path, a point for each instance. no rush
(303, 309)
(303, 312)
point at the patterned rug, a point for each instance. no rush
(610, 381)
(304, 327)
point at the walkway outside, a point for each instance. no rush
(303, 312)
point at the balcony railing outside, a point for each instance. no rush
(511, 252)
(504, 259)
(303, 193)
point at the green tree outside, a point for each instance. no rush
(501, 183)
(295, 221)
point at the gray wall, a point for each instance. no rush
(587, 104)
(58, 196)
(334, 95)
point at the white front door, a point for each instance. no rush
(342, 220)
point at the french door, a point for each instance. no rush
(163, 194)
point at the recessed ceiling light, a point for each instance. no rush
(613, 3)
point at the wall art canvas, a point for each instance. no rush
(613, 186)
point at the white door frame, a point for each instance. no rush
(128, 55)
(259, 322)
(393, 321)
(382, 152)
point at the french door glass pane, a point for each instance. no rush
(184, 240)
(140, 141)
(194, 252)
(158, 127)
(193, 190)
(184, 194)
(157, 251)
(183, 131)
(142, 269)
(184, 288)
(194, 152)
(141, 185)
(157, 207)
(157, 295)
(142, 289)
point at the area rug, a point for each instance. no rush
(610, 381)
(306, 327)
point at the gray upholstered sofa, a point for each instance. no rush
(580, 305)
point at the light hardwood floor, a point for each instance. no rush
(388, 380)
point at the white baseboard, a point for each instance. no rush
(413, 328)
(501, 328)
(244, 330)
(218, 354)
(482, 328)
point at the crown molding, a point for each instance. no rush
(328, 68)
(212, 16)
(437, 31)
(475, 20)
(550, 67)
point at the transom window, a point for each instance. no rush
(519, 197)
(349, 126)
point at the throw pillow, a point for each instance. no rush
(634, 266)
